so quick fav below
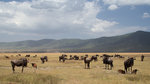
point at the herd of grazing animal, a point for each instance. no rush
(128, 64)
(107, 61)
(23, 61)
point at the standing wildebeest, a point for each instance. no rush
(63, 57)
(35, 56)
(76, 57)
(129, 63)
(43, 59)
(21, 62)
(94, 58)
(70, 57)
(142, 58)
(107, 61)
(27, 56)
(87, 61)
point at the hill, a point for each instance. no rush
(138, 41)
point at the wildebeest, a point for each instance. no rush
(129, 63)
(62, 57)
(7, 57)
(43, 59)
(35, 56)
(107, 61)
(121, 71)
(118, 56)
(87, 62)
(142, 58)
(94, 58)
(105, 55)
(82, 58)
(76, 57)
(20, 62)
(27, 56)
(71, 57)
(34, 65)
(134, 71)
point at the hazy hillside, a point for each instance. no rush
(133, 42)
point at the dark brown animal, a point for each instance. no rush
(134, 71)
(142, 58)
(87, 62)
(44, 59)
(27, 56)
(107, 61)
(21, 62)
(76, 57)
(35, 56)
(34, 65)
(121, 71)
(62, 57)
(7, 57)
(128, 64)
(94, 58)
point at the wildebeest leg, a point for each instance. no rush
(43, 61)
(110, 67)
(63, 60)
(13, 68)
(22, 68)
(131, 68)
(89, 65)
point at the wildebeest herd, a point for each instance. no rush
(106, 60)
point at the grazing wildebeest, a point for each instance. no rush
(118, 56)
(70, 57)
(121, 71)
(129, 63)
(62, 57)
(94, 58)
(19, 54)
(142, 58)
(107, 61)
(7, 57)
(34, 65)
(21, 62)
(134, 71)
(35, 56)
(87, 62)
(27, 56)
(76, 57)
(43, 59)
(82, 57)
(105, 55)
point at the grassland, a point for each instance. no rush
(72, 71)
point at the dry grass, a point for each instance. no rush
(72, 71)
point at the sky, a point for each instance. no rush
(65, 19)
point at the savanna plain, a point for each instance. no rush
(73, 71)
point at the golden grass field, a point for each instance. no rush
(72, 71)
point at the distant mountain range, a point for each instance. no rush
(138, 41)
